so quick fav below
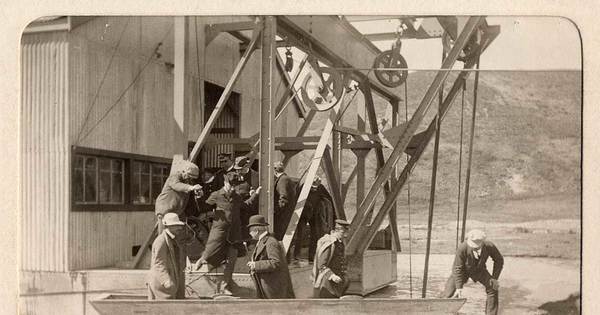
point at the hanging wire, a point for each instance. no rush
(152, 54)
(462, 114)
(112, 57)
(408, 199)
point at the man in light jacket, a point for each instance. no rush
(166, 279)
(268, 266)
(469, 262)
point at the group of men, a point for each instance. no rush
(268, 264)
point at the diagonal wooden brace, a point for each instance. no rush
(411, 127)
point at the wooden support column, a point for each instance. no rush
(180, 112)
(225, 95)
(407, 134)
(267, 117)
(393, 213)
(334, 184)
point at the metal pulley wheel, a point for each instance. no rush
(470, 50)
(322, 94)
(390, 59)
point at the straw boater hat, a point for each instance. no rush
(241, 162)
(475, 238)
(171, 219)
(257, 220)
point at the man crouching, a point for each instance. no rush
(268, 266)
(329, 269)
(167, 279)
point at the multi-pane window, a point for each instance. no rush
(148, 180)
(98, 180)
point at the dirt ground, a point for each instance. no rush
(526, 283)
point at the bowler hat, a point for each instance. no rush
(170, 219)
(257, 219)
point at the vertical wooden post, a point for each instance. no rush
(267, 116)
(361, 155)
(393, 217)
(180, 112)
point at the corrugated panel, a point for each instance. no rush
(102, 239)
(45, 152)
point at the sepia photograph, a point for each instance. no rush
(300, 164)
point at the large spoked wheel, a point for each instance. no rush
(387, 60)
(321, 95)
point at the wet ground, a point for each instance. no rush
(526, 283)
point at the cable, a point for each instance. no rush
(408, 198)
(130, 85)
(114, 52)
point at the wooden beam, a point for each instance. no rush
(379, 138)
(334, 184)
(145, 246)
(377, 37)
(399, 184)
(180, 33)
(334, 115)
(291, 90)
(267, 117)
(411, 127)
(346, 185)
(225, 95)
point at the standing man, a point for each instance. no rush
(469, 262)
(226, 166)
(247, 179)
(174, 195)
(284, 198)
(268, 266)
(225, 233)
(329, 269)
(166, 278)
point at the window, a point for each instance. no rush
(98, 180)
(115, 181)
(148, 180)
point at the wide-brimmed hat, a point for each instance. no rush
(475, 238)
(241, 162)
(257, 220)
(170, 219)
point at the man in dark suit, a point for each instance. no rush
(226, 165)
(174, 195)
(268, 266)
(166, 278)
(469, 262)
(247, 180)
(329, 269)
(225, 232)
(284, 198)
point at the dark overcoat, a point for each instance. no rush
(271, 270)
(166, 279)
(285, 200)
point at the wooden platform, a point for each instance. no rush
(132, 304)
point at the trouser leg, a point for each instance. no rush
(491, 302)
(298, 237)
(230, 266)
(314, 237)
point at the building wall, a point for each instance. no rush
(106, 55)
(45, 127)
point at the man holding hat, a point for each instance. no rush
(469, 262)
(329, 269)
(166, 278)
(284, 198)
(174, 195)
(268, 265)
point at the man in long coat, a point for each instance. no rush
(284, 198)
(469, 262)
(225, 232)
(175, 193)
(329, 269)
(268, 266)
(166, 277)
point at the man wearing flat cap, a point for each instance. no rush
(469, 262)
(166, 279)
(174, 195)
(329, 269)
(268, 264)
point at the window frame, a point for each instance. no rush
(128, 174)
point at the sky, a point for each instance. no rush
(524, 43)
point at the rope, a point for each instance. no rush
(130, 85)
(462, 114)
(408, 199)
(112, 57)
